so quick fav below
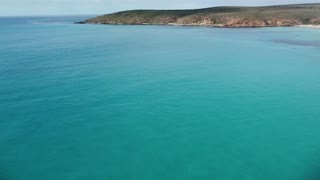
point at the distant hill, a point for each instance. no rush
(267, 16)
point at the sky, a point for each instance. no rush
(96, 7)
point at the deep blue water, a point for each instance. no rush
(157, 102)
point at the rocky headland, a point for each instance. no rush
(230, 17)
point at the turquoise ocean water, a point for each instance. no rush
(97, 102)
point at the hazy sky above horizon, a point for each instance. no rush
(65, 7)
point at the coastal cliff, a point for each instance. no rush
(267, 16)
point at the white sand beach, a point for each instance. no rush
(310, 26)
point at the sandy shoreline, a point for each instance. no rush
(310, 26)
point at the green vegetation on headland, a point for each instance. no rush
(267, 16)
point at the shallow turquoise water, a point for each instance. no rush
(157, 102)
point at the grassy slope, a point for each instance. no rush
(227, 16)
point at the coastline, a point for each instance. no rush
(309, 26)
(306, 15)
(204, 25)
